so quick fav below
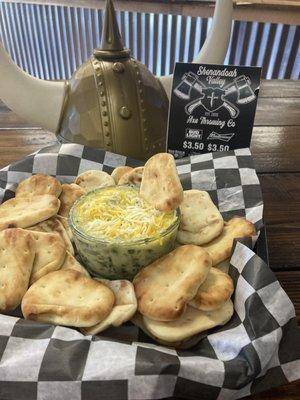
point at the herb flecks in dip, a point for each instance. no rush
(120, 214)
(117, 233)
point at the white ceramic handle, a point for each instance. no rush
(36, 100)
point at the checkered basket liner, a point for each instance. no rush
(257, 349)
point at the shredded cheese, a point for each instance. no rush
(119, 213)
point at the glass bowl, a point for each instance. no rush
(111, 259)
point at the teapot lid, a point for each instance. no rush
(111, 43)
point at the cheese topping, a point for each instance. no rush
(118, 213)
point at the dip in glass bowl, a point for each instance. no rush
(116, 232)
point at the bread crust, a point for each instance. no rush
(133, 177)
(221, 247)
(22, 212)
(160, 183)
(50, 252)
(70, 193)
(192, 322)
(214, 291)
(16, 262)
(53, 225)
(39, 184)
(123, 310)
(67, 297)
(70, 262)
(165, 287)
(119, 172)
(200, 221)
(94, 179)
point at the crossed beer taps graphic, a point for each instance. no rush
(214, 98)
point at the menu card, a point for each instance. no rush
(212, 108)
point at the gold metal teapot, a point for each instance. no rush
(112, 101)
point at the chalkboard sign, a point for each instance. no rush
(212, 108)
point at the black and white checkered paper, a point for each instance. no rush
(257, 349)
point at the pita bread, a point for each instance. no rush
(165, 287)
(66, 297)
(138, 320)
(39, 184)
(133, 177)
(221, 247)
(53, 225)
(70, 193)
(66, 225)
(94, 179)
(187, 343)
(192, 322)
(70, 262)
(50, 254)
(119, 172)
(16, 261)
(160, 185)
(200, 220)
(22, 212)
(214, 291)
(124, 308)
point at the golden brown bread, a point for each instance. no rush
(65, 223)
(124, 308)
(165, 287)
(53, 225)
(214, 291)
(119, 172)
(138, 321)
(70, 193)
(70, 262)
(190, 323)
(50, 252)
(67, 297)
(16, 262)
(221, 247)
(94, 179)
(200, 221)
(160, 185)
(38, 184)
(22, 212)
(133, 177)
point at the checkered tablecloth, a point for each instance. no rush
(259, 348)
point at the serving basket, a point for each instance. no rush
(256, 350)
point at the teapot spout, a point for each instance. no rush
(36, 100)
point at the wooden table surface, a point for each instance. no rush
(276, 151)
